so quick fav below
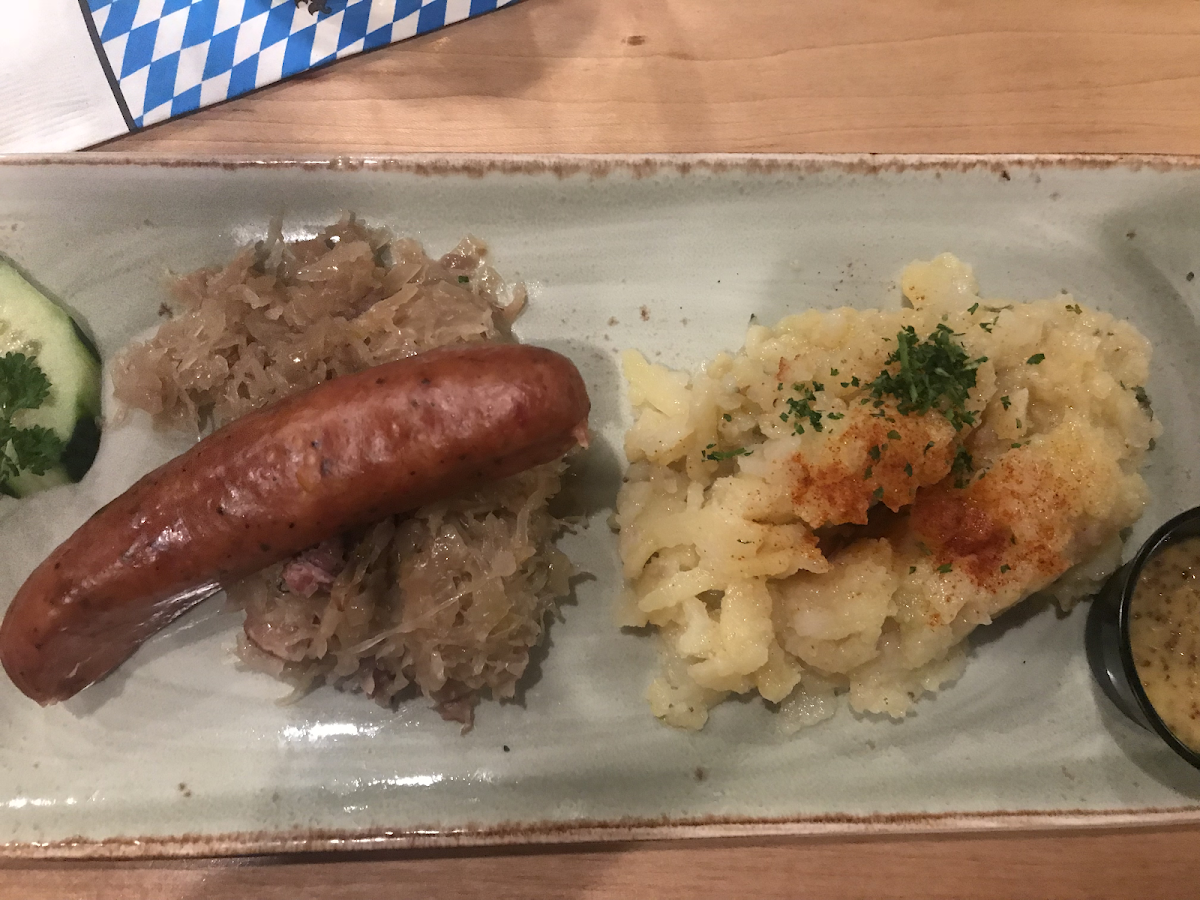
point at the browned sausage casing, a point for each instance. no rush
(348, 452)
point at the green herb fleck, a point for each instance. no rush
(874, 453)
(1018, 423)
(1015, 445)
(1005, 402)
(835, 416)
(908, 469)
(1035, 359)
(833, 372)
(928, 447)
(854, 382)
(1075, 308)
(945, 567)
(800, 408)
(971, 309)
(912, 570)
(722, 455)
(962, 467)
(1142, 397)
(727, 417)
(464, 279)
(23, 385)
(867, 472)
(1005, 568)
(877, 494)
(893, 435)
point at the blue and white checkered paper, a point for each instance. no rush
(173, 56)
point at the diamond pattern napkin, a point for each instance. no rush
(161, 58)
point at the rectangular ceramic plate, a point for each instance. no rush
(180, 753)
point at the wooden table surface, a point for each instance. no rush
(929, 76)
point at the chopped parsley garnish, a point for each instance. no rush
(912, 570)
(800, 408)
(1075, 308)
(934, 374)
(1018, 423)
(835, 416)
(877, 494)
(833, 372)
(962, 467)
(1035, 359)
(854, 382)
(727, 417)
(988, 326)
(908, 469)
(464, 279)
(1142, 397)
(1005, 402)
(1005, 568)
(893, 435)
(23, 385)
(945, 567)
(971, 309)
(869, 471)
(928, 447)
(722, 455)
(874, 453)
(1015, 444)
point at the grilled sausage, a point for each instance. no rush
(349, 452)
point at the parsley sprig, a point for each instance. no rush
(933, 374)
(23, 385)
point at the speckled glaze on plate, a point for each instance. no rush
(179, 753)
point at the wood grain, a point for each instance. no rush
(633, 76)
(1145, 865)
(744, 75)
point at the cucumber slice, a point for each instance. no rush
(33, 324)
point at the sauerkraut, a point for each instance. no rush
(447, 600)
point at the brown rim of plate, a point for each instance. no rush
(636, 165)
(588, 831)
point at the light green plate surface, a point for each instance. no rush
(180, 753)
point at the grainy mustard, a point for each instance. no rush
(1164, 633)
